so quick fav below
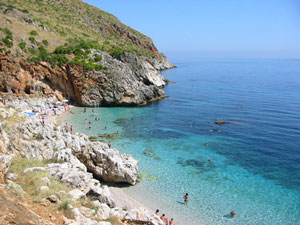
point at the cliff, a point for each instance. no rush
(79, 52)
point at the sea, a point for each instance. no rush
(250, 165)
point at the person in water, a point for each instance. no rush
(109, 144)
(157, 212)
(90, 126)
(84, 110)
(186, 198)
(232, 213)
(164, 219)
(171, 222)
(85, 121)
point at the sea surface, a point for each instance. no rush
(255, 167)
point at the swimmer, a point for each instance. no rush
(171, 222)
(90, 126)
(157, 212)
(84, 110)
(205, 144)
(85, 121)
(232, 213)
(209, 160)
(105, 127)
(186, 198)
(164, 219)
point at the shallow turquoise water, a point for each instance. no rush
(256, 157)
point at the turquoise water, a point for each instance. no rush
(255, 167)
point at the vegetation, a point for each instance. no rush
(66, 20)
(33, 33)
(8, 39)
(22, 45)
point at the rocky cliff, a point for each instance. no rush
(128, 81)
(103, 63)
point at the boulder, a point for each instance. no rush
(5, 161)
(102, 195)
(76, 194)
(53, 199)
(12, 176)
(103, 212)
(220, 122)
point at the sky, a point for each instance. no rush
(238, 28)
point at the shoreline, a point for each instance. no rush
(133, 197)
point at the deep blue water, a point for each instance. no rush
(256, 156)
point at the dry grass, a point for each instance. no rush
(11, 121)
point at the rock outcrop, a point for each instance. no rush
(129, 81)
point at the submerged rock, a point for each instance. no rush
(220, 122)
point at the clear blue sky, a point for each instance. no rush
(246, 28)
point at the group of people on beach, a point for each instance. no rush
(171, 221)
(165, 219)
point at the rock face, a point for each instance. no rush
(32, 140)
(128, 81)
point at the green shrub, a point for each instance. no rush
(116, 53)
(33, 33)
(45, 42)
(32, 40)
(22, 45)
(98, 58)
(7, 41)
(32, 51)
(62, 50)
(24, 11)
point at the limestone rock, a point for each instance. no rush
(103, 212)
(76, 194)
(53, 199)
(12, 176)
(5, 161)
(102, 195)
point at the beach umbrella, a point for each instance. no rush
(30, 113)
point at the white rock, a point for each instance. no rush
(46, 181)
(103, 212)
(34, 169)
(76, 194)
(44, 188)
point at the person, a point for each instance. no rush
(164, 219)
(209, 160)
(157, 212)
(232, 213)
(90, 126)
(109, 144)
(105, 127)
(84, 110)
(205, 144)
(85, 121)
(71, 129)
(171, 222)
(186, 198)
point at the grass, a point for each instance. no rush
(12, 120)
(76, 19)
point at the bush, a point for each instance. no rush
(24, 11)
(7, 41)
(98, 58)
(33, 33)
(62, 50)
(22, 45)
(32, 51)
(32, 40)
(116, 53)
(45, 42)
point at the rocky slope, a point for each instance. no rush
(68, 174)
(128, 81)
(95, 61)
